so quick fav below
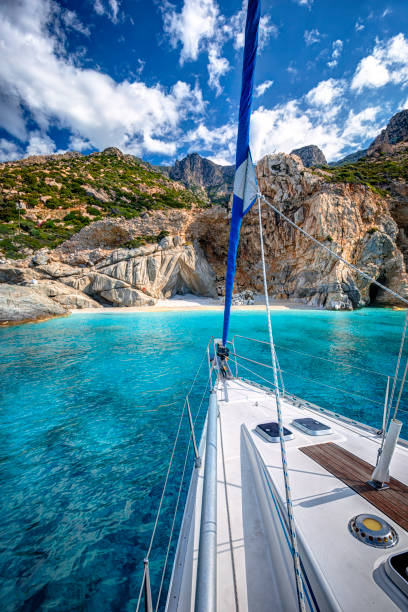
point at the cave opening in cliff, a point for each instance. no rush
(375, 290)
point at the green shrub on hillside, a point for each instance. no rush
(103, 172)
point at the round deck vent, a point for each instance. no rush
(373, 530)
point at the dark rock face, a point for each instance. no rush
(350, 159)
(310, 156)
(395, 132)
(211, 181)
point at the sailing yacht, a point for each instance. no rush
(290, 506)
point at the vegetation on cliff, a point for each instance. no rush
(60, 194)
(377, 172)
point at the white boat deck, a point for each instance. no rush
(254, 566)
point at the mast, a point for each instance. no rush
(245, 183)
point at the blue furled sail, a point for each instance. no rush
(245, 183)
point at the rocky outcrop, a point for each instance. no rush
(21, 303)
(211, 181)
(350, 219)
(395, 132)
(141, 276)
(74, 277)
(310, 155)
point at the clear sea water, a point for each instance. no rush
(89, 408)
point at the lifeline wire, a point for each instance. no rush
(397, 366)
(178, 498)
(166, 481)
(335, 361)
(292, 528)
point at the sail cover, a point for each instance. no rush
(245, 184)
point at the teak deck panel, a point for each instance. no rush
(355, 473)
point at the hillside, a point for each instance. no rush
(60, 194)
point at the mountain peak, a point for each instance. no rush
(310, 155)
(395, 132)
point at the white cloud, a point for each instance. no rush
(325, 92)
(234, 29)
(289, 126)
(363, 122)
(217, 67)
(40, 144)
(130, 115)
(77, 143)
(387, 11)
(358, 26)
(108, 8)
(267, 29)
(388, 63)
(312, 36)
(337, 48)
(201, 28)
(9, 150)
(307, 3)
(70, 20)
(195, 24)
(221, 140)
(260, 89)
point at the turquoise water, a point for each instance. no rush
(89, 409)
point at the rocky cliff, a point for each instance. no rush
(310, 155)
(395, 132)
(350, 159)
(210, 181)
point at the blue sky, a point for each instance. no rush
(162, 79)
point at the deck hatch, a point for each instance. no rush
(270, 432)
(373, 530)
(396, 567)
(312, 427)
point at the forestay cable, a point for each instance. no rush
(339, 257)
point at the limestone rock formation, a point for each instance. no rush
(310, 155)
(22, 303)
(350, 219)
(113, 277)
(395, 132)
(140, 276)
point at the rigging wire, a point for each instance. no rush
(363, 274)
(400, 391)
(339, 257)
(309, 380)
(178, 497)
(389, 408)
(335, 361)
(291, 520)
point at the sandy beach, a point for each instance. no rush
(193, 302)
